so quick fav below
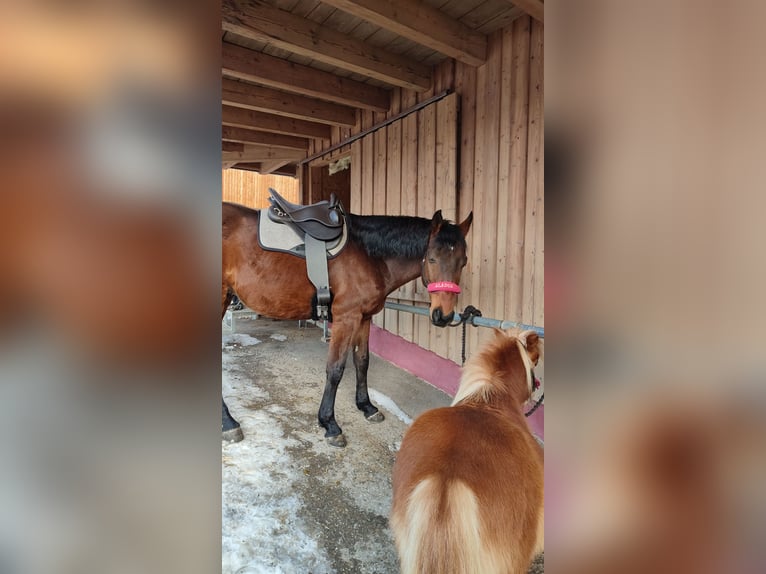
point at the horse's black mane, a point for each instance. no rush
(398, 236)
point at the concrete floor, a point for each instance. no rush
(291, 503)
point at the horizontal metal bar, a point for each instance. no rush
(376, 127)
(478, 321)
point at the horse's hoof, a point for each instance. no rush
(233, 435)
(376, 417)
(337, 440)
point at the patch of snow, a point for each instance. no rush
(262, 529)
(278, 337)
(240, 339)
(389, 404)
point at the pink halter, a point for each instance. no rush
(447, 286)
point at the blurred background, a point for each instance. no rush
(109, 261)
(654, 274)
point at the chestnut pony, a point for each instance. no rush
(468, 479)
(382, 254)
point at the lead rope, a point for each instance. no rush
(467, 317)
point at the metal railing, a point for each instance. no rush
(473, 320)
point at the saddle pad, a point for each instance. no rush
(273, 236)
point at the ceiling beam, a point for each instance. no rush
(263, 99)
(249, 119)
(257, 21)
(268, 167)
(232, 146)
(266, 70)
(534, 8)
(255, 152)
(242, 135)
(416, 21)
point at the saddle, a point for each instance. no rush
(319, 225)
(323, 220)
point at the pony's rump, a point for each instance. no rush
(439, 529)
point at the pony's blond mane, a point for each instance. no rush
(478, 381)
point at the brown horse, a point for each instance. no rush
(468, 479)
(382, 254)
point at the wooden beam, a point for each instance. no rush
(232, 146)
(249, 119)
(272, 166)
(263, 99)
(242, 135)
(263, 69)
(534, 8)
(288, 169)
(416, 21)
(257, 21)
(254, 152)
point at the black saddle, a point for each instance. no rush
(323, 220)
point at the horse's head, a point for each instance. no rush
(442, 265)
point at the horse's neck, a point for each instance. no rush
(401, 271)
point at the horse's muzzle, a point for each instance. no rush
(439, 319)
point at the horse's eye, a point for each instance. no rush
(431, 260)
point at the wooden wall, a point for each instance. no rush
(492, 165)
(251, 188)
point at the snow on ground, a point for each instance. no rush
(241, 339)
(279, 337)
(261, 529)
(388, 403)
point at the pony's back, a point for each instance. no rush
(468, 492)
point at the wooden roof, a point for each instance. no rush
(292, 69)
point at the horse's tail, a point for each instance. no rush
(438, 530)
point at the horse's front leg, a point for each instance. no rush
(362, 363)
(336, 364)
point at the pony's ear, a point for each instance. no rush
(531, 342)
(466, 225)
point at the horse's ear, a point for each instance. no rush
(436, 223)
(466, 225)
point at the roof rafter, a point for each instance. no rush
(263, 99)
(257, 21)
(419, 22)
(260, 68)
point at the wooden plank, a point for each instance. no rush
(537, 146)
(515, 240)
(490, 133)
(534, 8)
(504, 169)
(255, 152)
(281, 74)
(421, 23)
(380, 139)
(426, 200)
(446, 193)
(394, 184)
(269, 100)
(242, 135)
(356, 177)
(256, 20)
(249, 119)
(368, 160)
(409, 201)
(465, 87)
(269, 167)
(230, 146)
(534, 173)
